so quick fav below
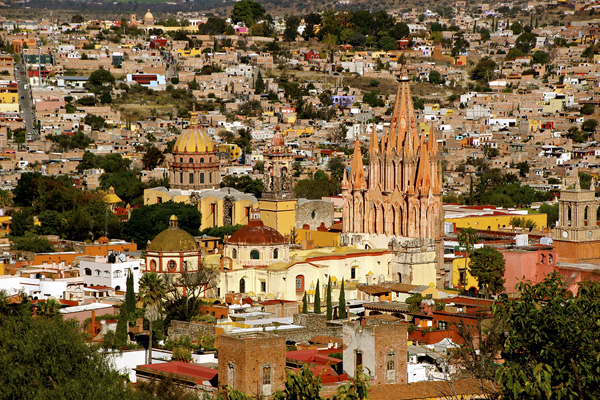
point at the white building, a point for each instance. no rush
(111, 271)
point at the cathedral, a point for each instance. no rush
(399, 204)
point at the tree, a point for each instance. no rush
(259, 85)
(329, 302)
(336, 166)
(101, 77)
(516, 28)
(487, 265)
(540, 57)
(96, 122)
(589, 125)
(148, 221)
(485, 34)
(152, 158)
(484, 70)
(292, 22)
(435, 77)
(244, 183)
(187, 291)
(342, 313)
(552, 346)
(372, 99)
(304, 304)
(21, 222)
(317, 303)
(33, 243)
(77, 19)
(525, 42)
(414, 302)
(152, 293)
(65, 365)
(523, 168)
(467, 237)
(130, 295)
(247, 11)
(51, 223)
(587, 109)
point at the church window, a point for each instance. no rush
(313, 214)
(267, 379)
(550, 259)
(276, 254)
(191, 160)
(118, 274)
(172, 265)
(209, 177)
(359, 359)
(254, 255)
(266, 375)
(202, 160)
(191, 177)
(569, 216)
(181, 178)
(585, 216)
(202, 178)
(242, 285)
(390, 366)
(88, 272)
(543, 259)
(234, 253)
(107, 274)
(181, 160)
(300, 283)
(263, 286)
(353, 273)
(153, 265)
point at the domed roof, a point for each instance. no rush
(194, 140)
(278, 140)
(173, 239)
(148, 15)
(256, 233)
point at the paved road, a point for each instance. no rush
(25, 98)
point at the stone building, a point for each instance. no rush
(577, 233)
(195, 163)
(379, 348)
(173, 251)
(149, 19)
(252, 364)
(278, 202)
(400, 204)
(314, 214)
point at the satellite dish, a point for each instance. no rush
(122, 257)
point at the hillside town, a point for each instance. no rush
(392, 204)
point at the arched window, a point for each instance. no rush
(191, 160)
(202, 160)
(97, 272)
(242, 285)
(313, 214)
(107, 274)
(299, 283)
(276, 254)
(586, 215)
(88, 272)
(550, 259)
(181, 160)
(569, 215)
(234, 253)
(118, 274)
(191, 177)
(254, 255)
(172, 265)
(153, 265)
(353, 273)
(202, 177)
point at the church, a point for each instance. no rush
(399, 204)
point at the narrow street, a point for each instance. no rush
(25, 98)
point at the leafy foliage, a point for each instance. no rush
(552, 347)
(244, 183)
(487, 265)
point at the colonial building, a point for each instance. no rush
(278, 202)
(577, 233)
(173, 251)
(399, 205)
(195, 162)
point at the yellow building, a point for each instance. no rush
(461, 278)
(9, 98)
(534, 125)
(233, 149)
(318, 238)
(219, 207)
(278, 214)
(493, 220)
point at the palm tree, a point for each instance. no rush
(467, 238)
(152, 293)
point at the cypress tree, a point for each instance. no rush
(317, 309)
(329, 303)
(122, 328)
(259, 85)
(130, 296)
(304, 304)
(342, 303)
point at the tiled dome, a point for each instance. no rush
(256, 233)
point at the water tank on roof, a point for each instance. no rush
(112, 258)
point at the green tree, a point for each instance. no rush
(127, 184)
(21, 222)
(516, 27)
(336, 166)
(120, 338)
(589, 125)
(33, 243)
(101, 77)
(244, 183)
(542, 358)
(292, 22)
(304, 304)
(152, 294)
(148, 221)
(414, 302)
(487, 265)
(259, 85)
(540, 57)
(525, 42)
(342, 314)
(317, 303)
(329, 302)
(435, 77)
(484, 70)
(467, 237)
(523, 168)
(51, 222)
(587, 109)
(153, 157)
(65, 365)
(247, 11)
(130, 295)
(372, 99)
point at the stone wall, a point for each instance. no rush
(314, 213)
(194, 330)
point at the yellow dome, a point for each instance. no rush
(173, 240)
(111, 197)
(194, 140)
(148, 15)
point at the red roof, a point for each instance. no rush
(256, 233)
(193, 371)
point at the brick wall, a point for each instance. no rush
(244, 361)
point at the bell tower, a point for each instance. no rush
(577, 233)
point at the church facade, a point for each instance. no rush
(399, 204)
